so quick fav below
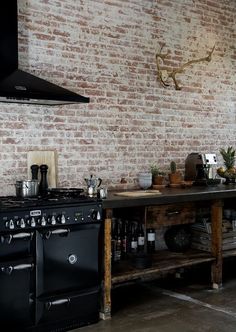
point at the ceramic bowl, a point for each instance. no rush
(145, 180)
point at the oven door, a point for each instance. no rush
(15, 245)
(16, 280)
(67, 311)
(16, 299)
(67, 259)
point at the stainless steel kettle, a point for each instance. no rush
(93, 183)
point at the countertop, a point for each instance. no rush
(172, 195)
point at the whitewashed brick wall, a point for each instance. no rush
(106, 49)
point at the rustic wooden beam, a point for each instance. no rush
(106, 295)
(216, 239)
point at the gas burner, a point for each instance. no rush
(55, 196)
(16, 202)
(65, 192)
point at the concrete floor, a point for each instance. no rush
(171, 305)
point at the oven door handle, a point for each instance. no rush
(58, 231)
(9, 269)
(10, 237)
(50, 304)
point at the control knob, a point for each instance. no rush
(22, 223)
(32, 222)
(43, 222)
(95, 215)
(10, 224)
(63, 219)
(53, 220)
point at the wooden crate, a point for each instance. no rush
(201, 238)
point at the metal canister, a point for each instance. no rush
(102, 193)
(27, 188)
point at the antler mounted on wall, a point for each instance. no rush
(163, 75)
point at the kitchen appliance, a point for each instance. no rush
(43, 185)
(49, 261)
(17, 86)
(102, 192)
(93, 183)
(200, 168)
(34, 171)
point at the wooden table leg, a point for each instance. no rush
(106, 289)
(216, 227)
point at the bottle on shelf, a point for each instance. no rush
(124, 240)
(129, 233)
(113, 239)
(141, 237)
(117, 242)
(134, 239)
(151, 236)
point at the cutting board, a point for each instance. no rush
(139, 193)
(44, 157)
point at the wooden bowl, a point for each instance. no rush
(186, 184)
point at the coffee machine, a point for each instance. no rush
(200, 168)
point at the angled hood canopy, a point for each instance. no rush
(17, 86)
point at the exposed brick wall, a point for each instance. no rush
(106, 49)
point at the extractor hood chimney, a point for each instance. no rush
(17, 86)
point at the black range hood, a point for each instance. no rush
(17, 86)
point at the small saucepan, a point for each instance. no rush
(27, 188)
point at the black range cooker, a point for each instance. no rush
(49, 261)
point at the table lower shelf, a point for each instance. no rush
(229, 253)
(163, 261)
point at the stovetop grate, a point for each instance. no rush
(57, 197)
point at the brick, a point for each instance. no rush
(106, 50)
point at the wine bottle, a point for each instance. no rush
(140, 235)
(117, 237)
(113, 241)
(151, 236)
(134, 239)
(124, 240)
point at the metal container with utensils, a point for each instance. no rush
(27, 188)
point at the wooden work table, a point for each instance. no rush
(214, 195)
